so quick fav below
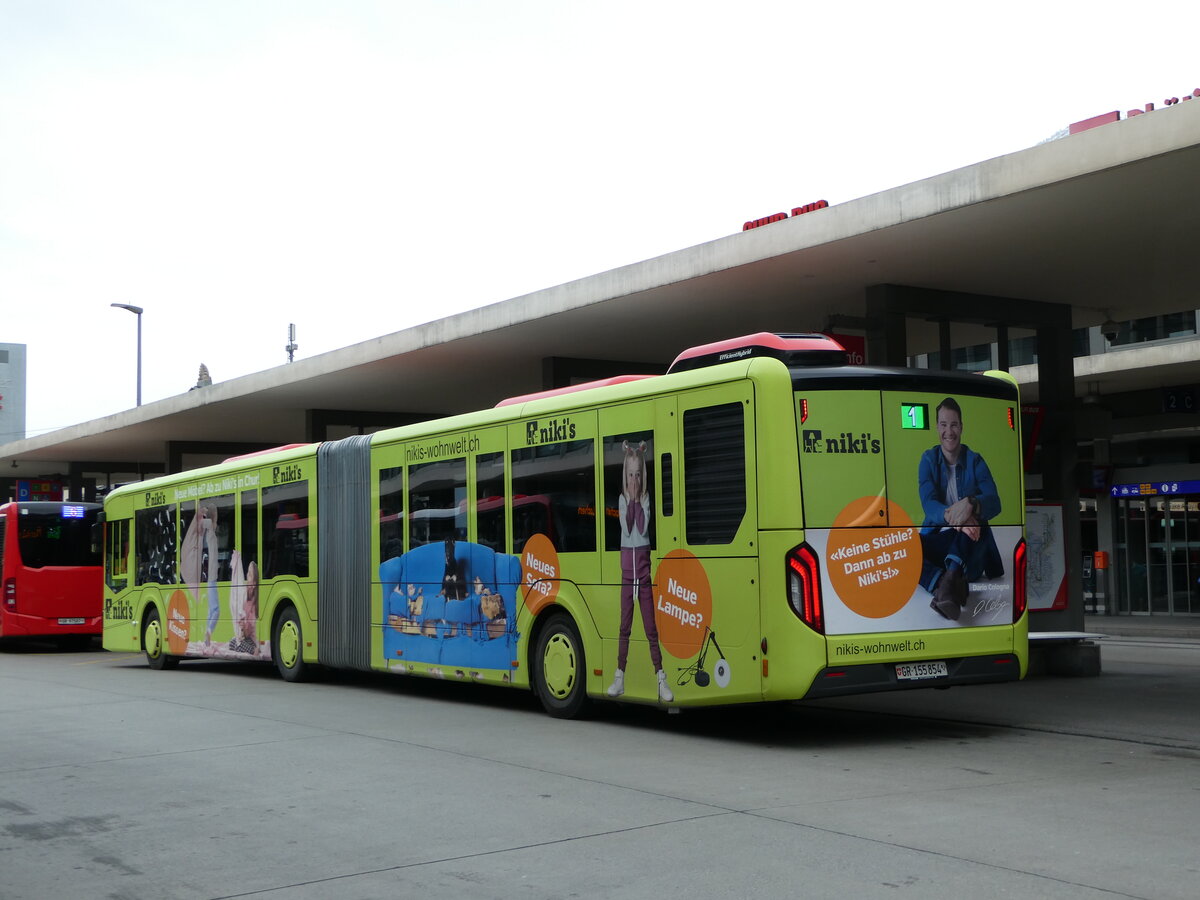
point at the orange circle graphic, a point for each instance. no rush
(682, 604)
(539, 572)
(177, 625)
(873, 570)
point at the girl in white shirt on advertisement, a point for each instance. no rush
(634, 512)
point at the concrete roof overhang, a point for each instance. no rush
(1104, 221)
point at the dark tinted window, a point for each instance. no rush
(249, 501)
(437, 502)
(62, 538)
(554, 492)
(714, 472)
(391, 512)
(668, 486)
(285, 530)
(154, 542)
(489, 500)
(116, 560)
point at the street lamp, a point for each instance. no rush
(137, 311)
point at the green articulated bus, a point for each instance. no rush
(764, 522)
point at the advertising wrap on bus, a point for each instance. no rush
(765, 522)
(928, 543)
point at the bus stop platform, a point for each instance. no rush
(1186, 628)
(1077, 653)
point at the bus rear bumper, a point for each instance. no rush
(836, 681)
(23, 625)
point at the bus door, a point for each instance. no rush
(707, 583)
(117, 548)
(633, 446)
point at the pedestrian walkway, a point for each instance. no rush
(1168, 627)
(1075, 654)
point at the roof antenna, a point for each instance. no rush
(292, 346)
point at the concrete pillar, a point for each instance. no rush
(1106, 580)
(1056, 393)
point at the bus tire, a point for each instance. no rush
(287, 646)
(154, 642)
(560, 668)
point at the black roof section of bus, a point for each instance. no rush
(816, 362)
(931, 381)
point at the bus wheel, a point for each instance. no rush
(155, 645)
(287, 645)
(559, 668)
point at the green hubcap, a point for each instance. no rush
(154, 639)
(560, 666)
(289, 644)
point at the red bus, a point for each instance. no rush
(51, 572)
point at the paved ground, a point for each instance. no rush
(219, 780)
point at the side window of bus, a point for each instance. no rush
(207, 528)
(437, 502)
(249, 546)
(714, 472)
(3, 534)
(668, 486)
(116, 556)
(489, 500)
(154, 545)
(629, 488)
(285, 530)
(554, 493)
(391, 513)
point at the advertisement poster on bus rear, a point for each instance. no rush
(913, 502)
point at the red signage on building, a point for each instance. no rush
(854, 345)
(780, 216)
(1115, 115)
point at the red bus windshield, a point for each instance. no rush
(61, 537)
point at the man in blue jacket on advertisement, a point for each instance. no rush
(959, 498)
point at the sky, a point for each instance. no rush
(236, 166)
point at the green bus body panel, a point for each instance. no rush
(817, 459)
(188, 607)
(877, 494)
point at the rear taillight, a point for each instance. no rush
(804, 587)
(10, 594)
(1019, 564)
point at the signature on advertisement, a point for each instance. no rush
(989, 607)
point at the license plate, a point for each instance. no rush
(71, 621)
(918, 671)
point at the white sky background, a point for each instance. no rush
(234, 166)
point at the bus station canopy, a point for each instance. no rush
(1104, 221)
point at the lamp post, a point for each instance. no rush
(137, 311)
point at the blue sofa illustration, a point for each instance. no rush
(453, 604)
